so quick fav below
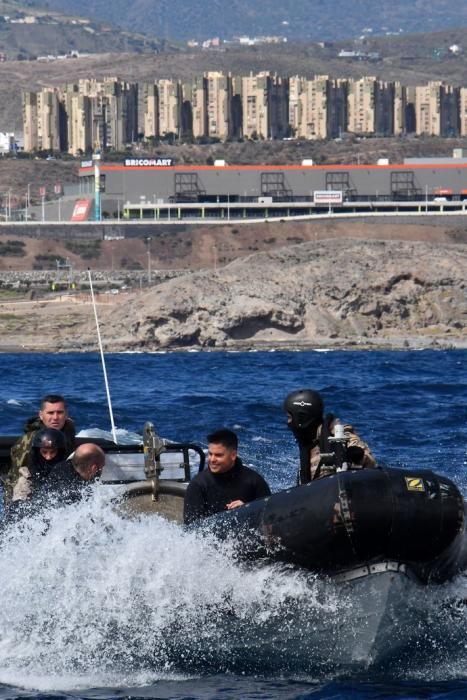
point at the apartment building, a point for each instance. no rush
(337, 107)
(427, 109)
(361, 106)
(384, 103)
(450, 111)
(463, 111)
(399, 109)
(219, 99)
(255, 101)
(148, 110)
(279, 108)
(48, 120)
(30, 121)
(195, 108)
(110, 113)
(79, 123)
(308, 107)
(170, 106)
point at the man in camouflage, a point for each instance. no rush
(315, 434)
(53, 413)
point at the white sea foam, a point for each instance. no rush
(91, 597)
(124, 437)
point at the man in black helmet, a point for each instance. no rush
(325, 444)
(53, 414)
(48, 448)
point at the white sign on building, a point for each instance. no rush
(7, 142)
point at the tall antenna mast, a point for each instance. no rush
(101, 350)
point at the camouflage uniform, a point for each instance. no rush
(368, 460)
(18, 484)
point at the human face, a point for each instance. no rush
(220, 458)
(48, 453)
(53, 415)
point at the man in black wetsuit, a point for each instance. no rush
(225, 484)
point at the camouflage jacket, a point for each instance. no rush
(18, 484)
(368, 460)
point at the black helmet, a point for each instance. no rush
(305, 406)
(49, 437)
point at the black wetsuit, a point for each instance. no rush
(64, 484)
(209, 493)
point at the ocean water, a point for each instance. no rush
(96, 605)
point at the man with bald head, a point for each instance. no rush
(65, 484)
(84, 466)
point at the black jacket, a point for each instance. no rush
(64, 484)
(209, 493)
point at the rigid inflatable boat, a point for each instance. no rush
(351, 524)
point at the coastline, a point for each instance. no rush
(357, 295)
(376, 345)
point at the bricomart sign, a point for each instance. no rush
(148, 162)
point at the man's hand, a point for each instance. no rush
(234, 504)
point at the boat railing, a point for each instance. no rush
(126, 463)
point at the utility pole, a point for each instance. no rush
(148, 241)
(28, 200)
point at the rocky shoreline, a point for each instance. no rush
(346, 294)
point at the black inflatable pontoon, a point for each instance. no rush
(353, 522)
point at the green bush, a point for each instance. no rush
(47, 261)
(86, 249)
(14, 249)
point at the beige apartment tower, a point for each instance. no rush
(48, 120)
(79, 131)
(150, 107)
(361, 106)
(400, 105)
(255, 108)
(219, 96)
(463, 111)
(308, 105)
(170, 107)
(427, 109)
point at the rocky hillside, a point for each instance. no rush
(27, 32)
(345, 293)
(340, 293)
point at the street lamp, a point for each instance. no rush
(28, 199)
(6, 204)
(148, 241)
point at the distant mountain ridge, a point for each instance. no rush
(304, 20)
(27, 32)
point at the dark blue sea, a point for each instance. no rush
(96, 605)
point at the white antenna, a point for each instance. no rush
(114, 434)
